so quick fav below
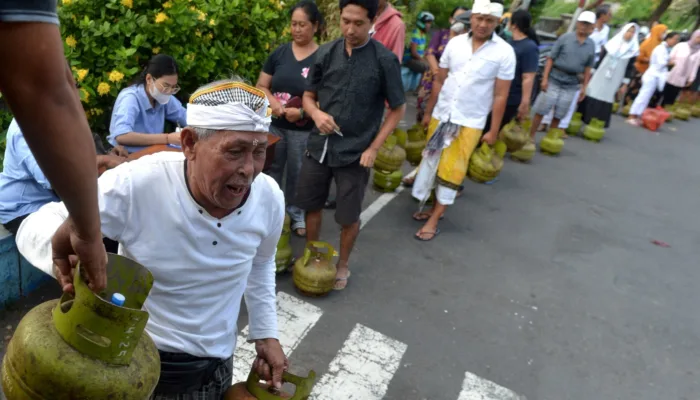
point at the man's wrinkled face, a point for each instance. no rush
(483, 26)
(223, 166)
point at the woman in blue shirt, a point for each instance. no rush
(139, 114)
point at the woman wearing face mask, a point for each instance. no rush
(615, 55)
(432, 55)
(139, 114)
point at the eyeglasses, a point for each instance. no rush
(167, 89)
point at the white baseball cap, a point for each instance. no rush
(587, 16)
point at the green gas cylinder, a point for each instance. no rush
(284, 255)
(83, 346)
(253, 389)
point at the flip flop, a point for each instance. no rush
(421, 233)
(342, 280)
(427, 216)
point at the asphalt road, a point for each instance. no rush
(545, 285)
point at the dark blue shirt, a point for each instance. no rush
(28, 11)
(527, 57)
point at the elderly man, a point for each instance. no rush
(206, 223)
(475, 73)
(572, 54)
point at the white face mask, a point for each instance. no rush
(161, 98)
(457, 27)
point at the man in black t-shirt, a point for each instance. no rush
(38, 87)
(351, 78)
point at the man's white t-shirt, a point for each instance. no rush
(202, 266)
(466, 98)
(600, 38)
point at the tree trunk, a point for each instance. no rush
(594, 4)
(579, 10)
(660, 10)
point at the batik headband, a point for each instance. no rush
(231, 106)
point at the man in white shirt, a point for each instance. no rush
(206, 223)
(601, 30)
(475, 73)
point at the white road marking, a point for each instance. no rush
(377, 205)
(476, 388)
(295, 318)
(362, 369)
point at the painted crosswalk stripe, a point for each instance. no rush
(362, 369)
(374, 208)
(295, 319)
(476, 388)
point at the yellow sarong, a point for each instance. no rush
(454, 160)
(446, 168)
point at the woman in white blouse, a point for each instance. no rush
(654, 78)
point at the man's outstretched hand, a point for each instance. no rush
(69, 247)
(271, 362)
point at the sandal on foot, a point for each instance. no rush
(344, 280)
(423, 216)
(420, 234)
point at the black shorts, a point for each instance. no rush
(314, 183)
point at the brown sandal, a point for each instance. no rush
(424, 216)
(419, 235)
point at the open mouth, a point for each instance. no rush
(237, 190)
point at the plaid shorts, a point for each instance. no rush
(220, 382)
(557, 96)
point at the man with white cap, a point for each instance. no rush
(206, 223)
(475, 73)
(572, 54)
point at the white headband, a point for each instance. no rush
(228, 117)
(485, 7)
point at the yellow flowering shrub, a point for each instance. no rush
(108, 46)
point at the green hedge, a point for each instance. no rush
(107, 45)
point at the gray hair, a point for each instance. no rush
(203, 133)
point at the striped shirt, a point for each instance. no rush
(420, 39)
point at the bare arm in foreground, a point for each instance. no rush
(39, 89)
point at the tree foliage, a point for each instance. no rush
(107, 43)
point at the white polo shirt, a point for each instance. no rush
(202, 266)
(600, 38)
(466, 97)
